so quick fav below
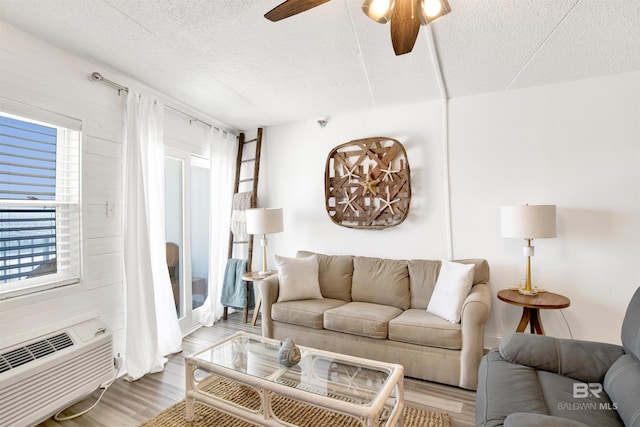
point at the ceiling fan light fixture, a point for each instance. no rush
(430, 10)
(379, 10)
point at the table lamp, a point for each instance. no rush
(529, 222)
(264, 221)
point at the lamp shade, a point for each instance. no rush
(264, 220)
(430, 10)
(379, 10)
(529, 221)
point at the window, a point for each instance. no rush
(39, 204)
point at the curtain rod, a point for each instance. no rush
(97, 77)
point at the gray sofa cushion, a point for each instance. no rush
(419, 327)
(521, 419)
(631, 326)
(592, 410)
(622, 384)
(586, 361)
(361, 318)
(335, 273)
(504, 388)
(308, 313)
(381, 281)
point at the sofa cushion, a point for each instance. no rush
(562, 401)
(480, 270)
(308, 313)
(452, 287)
(298, 278)
(361, 318)
(631, 326)
(381, 281)
(335, 273)
(416, 326)
(423, 274)
(585, 361)
(522, 419)
(621, 384)
(505, 388)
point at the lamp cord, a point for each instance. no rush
(567, 323)
(104, 387)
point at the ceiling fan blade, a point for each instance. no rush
(291, 7)
(405, 25)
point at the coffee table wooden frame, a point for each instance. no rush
(368, 415)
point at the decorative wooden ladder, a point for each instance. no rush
(246, 160)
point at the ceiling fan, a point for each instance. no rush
(405, 16)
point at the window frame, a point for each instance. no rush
(68, 207)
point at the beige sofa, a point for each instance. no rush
(376, 308)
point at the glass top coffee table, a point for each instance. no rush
(367, 390)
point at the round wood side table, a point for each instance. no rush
(531, 306)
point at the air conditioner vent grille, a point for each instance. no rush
(36, 350)
(60, 341)
(4, 365)
(40, 349)
(18, 357)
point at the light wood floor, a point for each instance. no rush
(127, 404)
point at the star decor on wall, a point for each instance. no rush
(367, 183)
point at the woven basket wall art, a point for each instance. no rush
(367, 183)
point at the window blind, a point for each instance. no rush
(39, 204)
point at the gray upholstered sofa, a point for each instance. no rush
(376, 308)
(533, 380)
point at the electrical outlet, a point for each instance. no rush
(110, 209)
(117, 362)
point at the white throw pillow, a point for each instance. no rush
(298, 278)
(452, 287)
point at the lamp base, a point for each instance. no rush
(524, 292)
(265, 273)
(532, 292)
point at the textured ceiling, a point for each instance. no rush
(223, 58)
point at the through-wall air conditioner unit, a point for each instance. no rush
(43, 375)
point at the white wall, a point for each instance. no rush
(292, 177)
(576, 145)
(42, 76)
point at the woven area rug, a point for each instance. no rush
(285, 409)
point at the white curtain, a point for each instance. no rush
(151, 328)
(224, 147)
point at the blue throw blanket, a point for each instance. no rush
(234, 289)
